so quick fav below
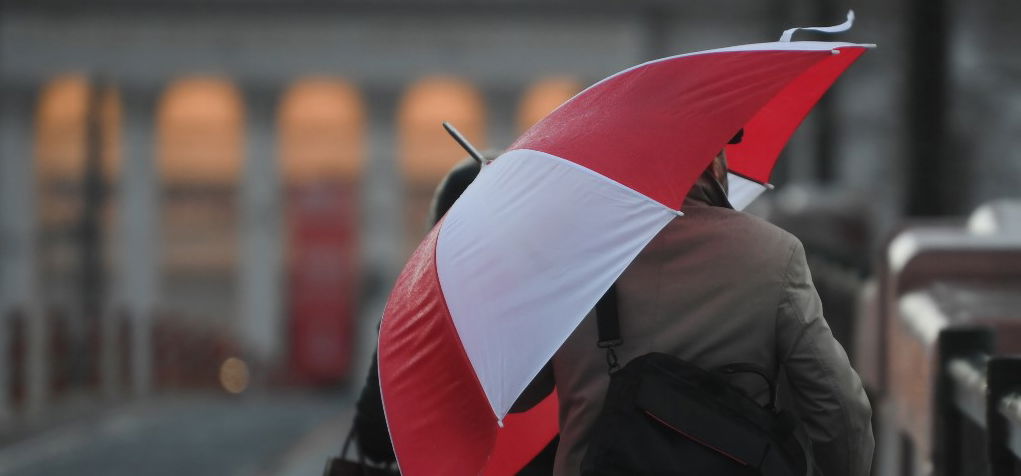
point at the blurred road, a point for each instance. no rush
(192, 435)
(263, 433)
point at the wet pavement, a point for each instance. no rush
(191, 435)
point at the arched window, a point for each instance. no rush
(199, 141)
(200, 126)
(543, 97)
(426, 152)
(74, 118)
(322, 133)
(322, 130)
(77, 151)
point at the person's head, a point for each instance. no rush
(455, 183)
(718, 167)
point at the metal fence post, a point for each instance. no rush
(953, 343)
(1003, 377)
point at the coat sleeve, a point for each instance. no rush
(826, 391)
(370, 423)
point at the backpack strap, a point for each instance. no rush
(609, 326)
(608, 323)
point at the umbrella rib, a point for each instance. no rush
(764, 184)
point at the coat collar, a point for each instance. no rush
(707, 191)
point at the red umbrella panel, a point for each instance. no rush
(499, 284)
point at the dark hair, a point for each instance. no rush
(737, 137)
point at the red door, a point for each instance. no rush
(322, 280)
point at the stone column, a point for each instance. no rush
(15, 226)
(99, 199)
(381, 226)
(382, 231)
(260, 327)
(18, 285)
(135, 282)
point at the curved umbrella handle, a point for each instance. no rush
(787, 34)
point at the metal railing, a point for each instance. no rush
(981, 421)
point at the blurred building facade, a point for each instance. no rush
(155, 154)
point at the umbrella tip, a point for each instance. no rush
(470, 149)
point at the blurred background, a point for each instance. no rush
(204, 203)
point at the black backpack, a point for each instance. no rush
(665, 416)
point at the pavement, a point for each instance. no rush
(281, 432)
(271, 434)
(309, 454)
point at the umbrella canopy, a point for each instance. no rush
(502, 281)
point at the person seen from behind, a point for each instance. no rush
(715, 287)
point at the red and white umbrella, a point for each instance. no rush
(502, 281)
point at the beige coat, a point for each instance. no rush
(718, 286)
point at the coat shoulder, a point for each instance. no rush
(723, 240)
(744, 231)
